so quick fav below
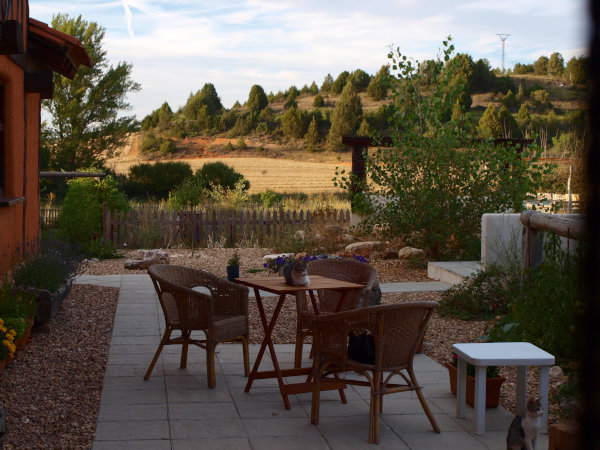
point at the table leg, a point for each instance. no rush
(544, 375)
(313, 301)
(521, 400)
(461, 386)
(479, 400)
(267, 341)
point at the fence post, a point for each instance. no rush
(106, 222)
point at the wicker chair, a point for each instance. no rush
(396, 330)
(340, 269)
(222, 315)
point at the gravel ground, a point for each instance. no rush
(51, 394)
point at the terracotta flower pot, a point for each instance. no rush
(22, 341)
(492, 387)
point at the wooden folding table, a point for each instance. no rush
(276, 285)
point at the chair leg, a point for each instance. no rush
(246, 355)
(163, 341)
(375, 408)
(298, 351)
(424, 404)
(341, 391)
(210, 365)
(316, 397)
(184, 349)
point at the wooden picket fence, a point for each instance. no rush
(49, 217)
(151, 226)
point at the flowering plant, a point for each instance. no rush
(7, 341)
(491, 371)
(275, 264)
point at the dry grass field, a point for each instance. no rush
(280, 175)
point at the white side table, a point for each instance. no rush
(481, 355)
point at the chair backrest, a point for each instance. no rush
(347, 270)
(396, 329)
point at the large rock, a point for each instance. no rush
(411, 253)
(147, 258)
(361, 248)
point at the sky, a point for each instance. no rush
(176, 46)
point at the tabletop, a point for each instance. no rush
(503, 353)
(276, 285)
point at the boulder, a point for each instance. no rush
(411, 253)
(361, 248)
(556, 372)
(147, 258)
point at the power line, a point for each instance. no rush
(503, 38)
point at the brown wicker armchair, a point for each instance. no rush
(396, 331)
(223, 315)
(340, 269)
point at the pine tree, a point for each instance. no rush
(257, 99)
(524, 119)
(346, 117)
(312, 134)
(489, 125)
(510, 129)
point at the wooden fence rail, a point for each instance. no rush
(145, 226)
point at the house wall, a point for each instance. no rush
(19, 224)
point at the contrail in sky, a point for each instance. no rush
(128, 17)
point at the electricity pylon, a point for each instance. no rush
(503, 38)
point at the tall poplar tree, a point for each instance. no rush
(85, 121)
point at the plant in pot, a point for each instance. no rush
(493, 382)
(233, 267)
(18, 309)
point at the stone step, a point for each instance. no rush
(452, 272)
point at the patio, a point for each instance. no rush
(175, 410)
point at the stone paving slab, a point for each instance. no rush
(174, 409)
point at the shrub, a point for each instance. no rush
(220, 174)
(81, 215)
(318, 101)
(548, 307)
(270, 198)
(435, 180)
(482, 296)
(155, 180)
(49, 264)
(167, 146)
(241, 144)
(189, 194)
(15, 302)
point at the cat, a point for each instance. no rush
(295, 273)
(523, 430)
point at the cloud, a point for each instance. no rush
(128, 17)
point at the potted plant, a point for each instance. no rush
(493, 383)
(233, 267)
(18, 309)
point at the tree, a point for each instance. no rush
(327, 82)
(346, 117)
(222, 175)
(577, 71)
(524, 119)
(293, 122)
(489, 125)
(540, 66)
(483, 79)
(312, 136)
(208, 97)
(85, 114)
(378, 86)
(436, 181)
(361, 79)
(556, 65)
(313, 89)
(508, 124)
(318, 101)
(257, 99)
(340, 82)
(165, 114)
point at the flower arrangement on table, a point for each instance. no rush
(7, 341)
(275, 265)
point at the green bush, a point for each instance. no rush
(318, 101)
(189, 194)
(167, 147)
(482, 296)
(220, 174)
(15, 302)
(155, 180)
(548, 307)
(81, 215)
(436, 180)
(270, 198)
